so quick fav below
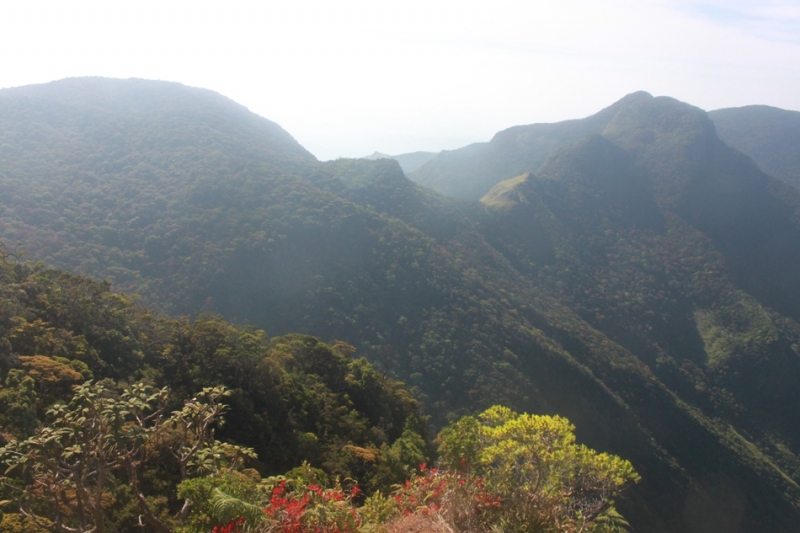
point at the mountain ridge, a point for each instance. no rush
(767, 134)
(509, 153)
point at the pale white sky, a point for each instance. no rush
(350, 77)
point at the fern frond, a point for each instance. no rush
(226, 508)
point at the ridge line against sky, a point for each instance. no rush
(352, 77)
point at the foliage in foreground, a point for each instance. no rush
(292, 398)
(540, 479)
(86, 471)
(68, 476)
(502, 472)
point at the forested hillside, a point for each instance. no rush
(769, 135)
(636, 274)
(293, 398)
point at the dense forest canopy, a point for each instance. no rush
(629, 271)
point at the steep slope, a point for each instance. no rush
(598, 288)
(750, 217)
(468, 173)
(769, 135)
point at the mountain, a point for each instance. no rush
(769, 135)
(377, 155)
(648, 234)
(468, 173)
(636, 274)
(408, 162)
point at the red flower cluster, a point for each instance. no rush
(289, 510)
(230, 527)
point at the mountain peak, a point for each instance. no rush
(631, 98)
(377, 155)
(643, 120)
(120, 104)
(470, 172)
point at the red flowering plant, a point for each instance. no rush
(290, 506)
(312, 509)
(460, 499)
(234, 526)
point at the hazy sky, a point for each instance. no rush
(346, 78)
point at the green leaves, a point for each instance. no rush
(226, 508)
(218, 457)
(101, 433)
(533, 464)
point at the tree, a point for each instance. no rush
(543, 479)
(17, 402)
(64, 473)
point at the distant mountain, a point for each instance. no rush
(769, 135)
(636, 275)
(408, 162)
(377, 155)
(468, 173)
(120, 117)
